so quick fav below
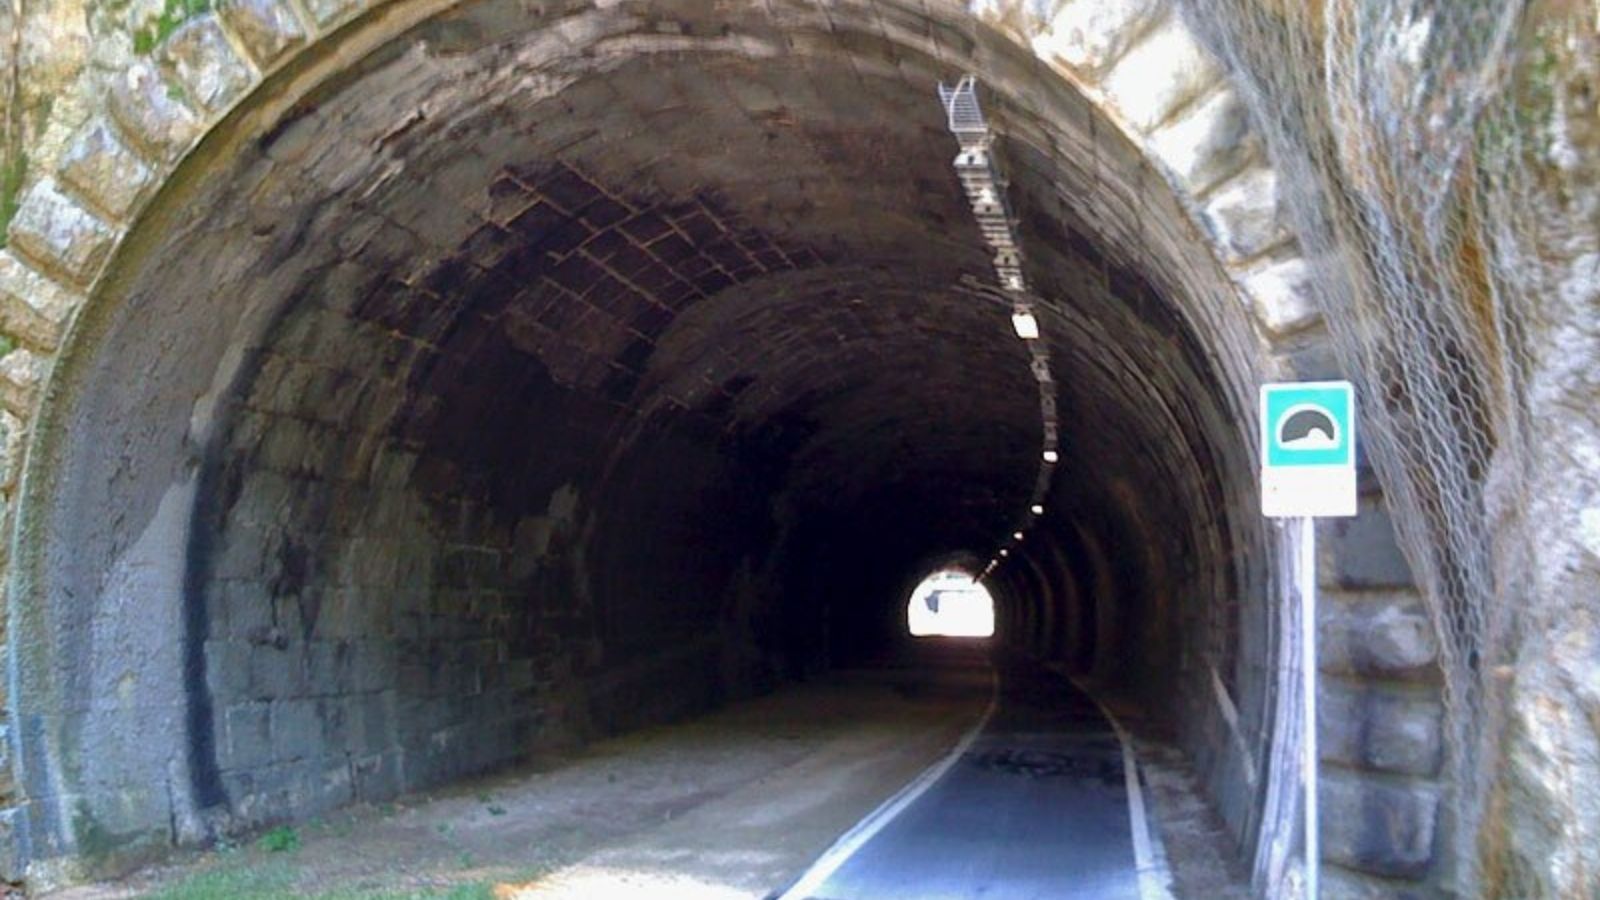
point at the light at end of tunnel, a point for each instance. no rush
(1051, 456)
(1026, 325)
(1037, 509)
(950, 604)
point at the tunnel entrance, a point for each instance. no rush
(950, 604)
(537, 374)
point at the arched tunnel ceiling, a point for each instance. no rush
(470, 197)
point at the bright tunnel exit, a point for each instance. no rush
(950, 604)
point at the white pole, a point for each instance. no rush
(1306, 571)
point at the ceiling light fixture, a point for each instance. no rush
(1051, 456)
(1026, 326)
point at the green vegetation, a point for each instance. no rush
(173, 14)
(268, 868)
(280, 840)
(12, 173)
(251, 882)
(274, 883)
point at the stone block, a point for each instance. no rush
(203, 63)
(375, 666)
(1160, 75)
(268, 29)
(248, 730)
(332, 667)
(276, 673)
(244, 553)
(1386, 635)
(1280, 295)
(329, 787)
(105, 172)
(378, 721)
(13, 858)
(378, 776)
(1314, 360)
(150, 113)
(339, 719)
(1362, 552)
(58, 233)
(268, 793)
(340, 613)
(13, 445)
(296, 730)
(33, 308)
(1383, 828)
(1242, 214)
(21, 372)
(327, 12)
(1090, 35)
(8, 782)
(228, 669)
(242, 609)
(1208, 142)
(1378, 728)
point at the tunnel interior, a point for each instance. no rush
(547, 373)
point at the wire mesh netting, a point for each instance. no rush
(1420, 150)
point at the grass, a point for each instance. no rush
(269, 868)
(278, 879)
(477, 891)
(280, 840)
(249, 883)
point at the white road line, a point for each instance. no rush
(856, 838)
(1154, 877)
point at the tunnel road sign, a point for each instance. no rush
(1308, 449)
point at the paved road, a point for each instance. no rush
(1037, 807)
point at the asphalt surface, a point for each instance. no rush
(1037, 807)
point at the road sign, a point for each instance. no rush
(1308, 469)
(1308, 449)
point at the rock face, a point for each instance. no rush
(1547, 823)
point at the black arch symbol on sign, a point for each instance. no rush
(1308, 427)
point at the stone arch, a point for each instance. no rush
(1176, 142)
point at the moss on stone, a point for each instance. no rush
(92, 837)
(12, 174)
(173, 14)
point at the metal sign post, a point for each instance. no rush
(1306, 572)
(1308, 469)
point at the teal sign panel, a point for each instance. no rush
(1308, 450)
(1308, 424)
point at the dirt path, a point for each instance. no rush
(730, 805)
